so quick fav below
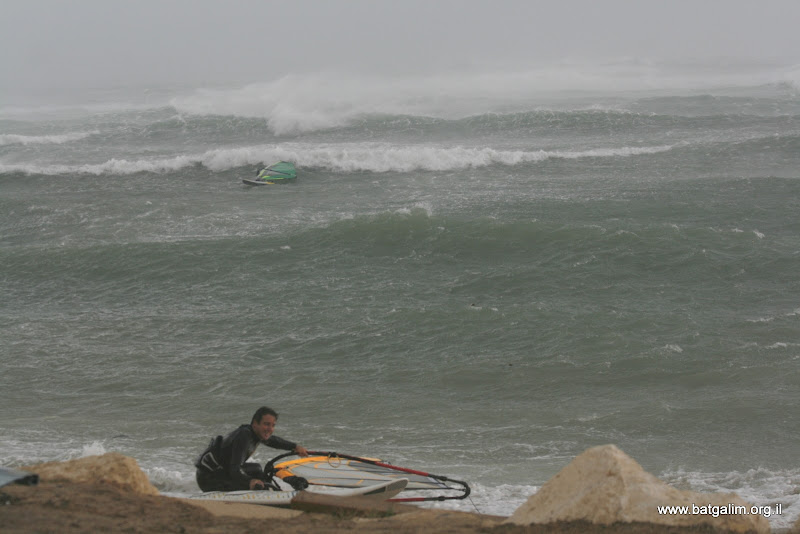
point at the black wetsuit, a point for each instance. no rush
(223, 465)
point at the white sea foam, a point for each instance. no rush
(502, 500)
(93, 449)
(171, 480)
(782, 345)
(16, 139)
(19, 452)
(762, 487)
(362, 157)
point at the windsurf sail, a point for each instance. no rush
(345, 471)
(281, 171)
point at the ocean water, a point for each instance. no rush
(477, 276)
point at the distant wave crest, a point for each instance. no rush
(301, 103)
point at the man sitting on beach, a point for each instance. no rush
(223, 465)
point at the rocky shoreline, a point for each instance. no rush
(601, 490)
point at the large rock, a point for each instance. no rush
(603, 485)
(112, 467)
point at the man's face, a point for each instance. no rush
(265, 427)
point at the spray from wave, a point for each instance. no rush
(297, 104)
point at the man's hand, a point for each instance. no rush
(256, 484)
(298, 483)
(301, 451)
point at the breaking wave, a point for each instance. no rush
(364, 157)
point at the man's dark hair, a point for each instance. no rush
(261, 412)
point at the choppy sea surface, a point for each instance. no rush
(479, 276)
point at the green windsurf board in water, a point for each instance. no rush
(278, 173)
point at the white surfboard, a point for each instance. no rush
(378, 492)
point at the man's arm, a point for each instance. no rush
(285, 445)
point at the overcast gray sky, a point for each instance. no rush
(50, 43)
